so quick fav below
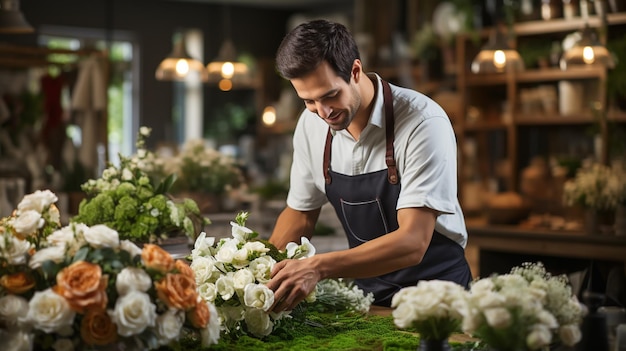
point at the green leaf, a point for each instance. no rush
(166, 184)
(81, 255)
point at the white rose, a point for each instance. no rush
(168, 326)
(497, 317)
(225, 287)
(207, 291)
(14, 249)
(258, 322)
(63, 345)
(256, 246)
(130, 247)
(241, 278)
(13, 310)
(538, 337)
(570, 334)
(240, 258)
(100, 236)
(211, 334)
(133, 313)
(49, 312)
(226, 253)
(28, 222)
(37, 201)
(203, 268)
(404, 315)
(132, 278)
(53, 253)
(16, 340)
(261, 268)
(258, 296)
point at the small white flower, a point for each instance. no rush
(211, 334)
(17, 340)
(242, 278)
(261, 268)
(127, 175)
(570, 334)
(240, 233)
(202, 246)
(304, 250)
(497, 317)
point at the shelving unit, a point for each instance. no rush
(501, 126)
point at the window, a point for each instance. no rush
(122, 92)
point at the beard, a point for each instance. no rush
(347, 115)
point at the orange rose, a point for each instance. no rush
(83, 286)
(97, 328)
(184, 269)
(154, 257)
(200, 315)
(17, 283)
(177, 291)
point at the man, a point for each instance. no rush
(384, 156)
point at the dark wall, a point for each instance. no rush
(255, 30)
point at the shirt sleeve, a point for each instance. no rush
(303, 194)
(429, 174)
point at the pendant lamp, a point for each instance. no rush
(497, 56)
(225, 69)
(179, 65)
(12, 20)
(587, 51)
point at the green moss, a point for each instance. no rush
(327, 331)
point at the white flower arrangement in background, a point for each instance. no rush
(232, 272)
(433, 308)
(525, 310)
(597, 186)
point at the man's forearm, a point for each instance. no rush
(291, 225)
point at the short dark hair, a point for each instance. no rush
(311, 43)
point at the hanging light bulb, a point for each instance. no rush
(179, 65)
(496, 56)
(587, 51)
(226, 69)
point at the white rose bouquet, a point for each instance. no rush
(433, 308)
(232, 272)
(522, 310)
(82, 287)
(596, 186)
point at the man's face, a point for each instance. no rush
(329, 96)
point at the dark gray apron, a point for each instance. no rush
(366, 207)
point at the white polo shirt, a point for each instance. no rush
(425, 152)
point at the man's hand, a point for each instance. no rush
(292, 281)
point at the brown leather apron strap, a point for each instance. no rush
(392, 170)
(327, 148)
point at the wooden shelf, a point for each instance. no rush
(484, 126)
(535, 76)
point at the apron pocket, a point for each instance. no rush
(364, 220)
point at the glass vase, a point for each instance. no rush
(434, 345)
